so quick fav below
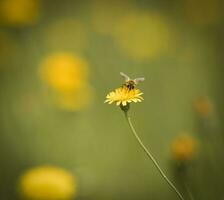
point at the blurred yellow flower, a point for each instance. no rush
(64, 72)
(183, 148)
(203, 106)
(19, 12)
(67, 76)
(123, 96)
(203, 12)
(47, 183)
(143, 35)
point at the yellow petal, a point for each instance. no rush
(124, 103)
(118, 103)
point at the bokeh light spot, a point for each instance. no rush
(64, 72)
(47, 183)
(183, 148)
(19, 12)
(67, 77)
(143, 35)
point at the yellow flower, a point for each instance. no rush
(123, 96)
(66, 75)
(143, 35)
(203, 106)
(47, 183)
(183, 148)
(19, 12)
(64, 72)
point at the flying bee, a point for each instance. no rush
(131, 83)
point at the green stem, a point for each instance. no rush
(151, 157)
(189, 191)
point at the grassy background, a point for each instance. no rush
(94, 143)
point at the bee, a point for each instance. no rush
(130, 83)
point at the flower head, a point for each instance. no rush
(66, 76)
(19, 12)
(132, 31)
(47, 183)
(183, 148)
(64, 72)
(123, 96)
(203, 106)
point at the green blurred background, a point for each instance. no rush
(48, 120)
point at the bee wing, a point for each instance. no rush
(126, 77)
(137, 80)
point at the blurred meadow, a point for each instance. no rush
(59, 60)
